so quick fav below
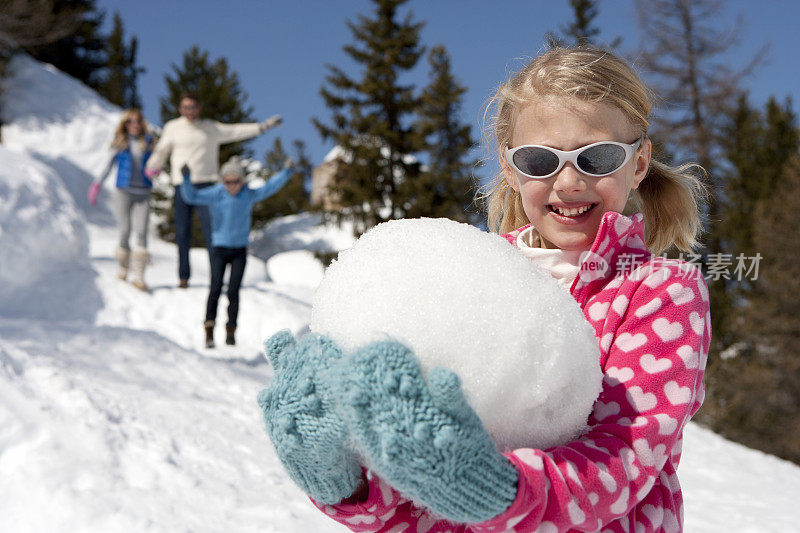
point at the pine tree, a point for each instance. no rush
(81, 53)
(222, 99)
(683, 50)
(217, 87)
(120, 85)
(758, 208)
(25, 24)
(372, 117)
(758, 147)
(293, 197)
(754, 394)
(581, 31)
(445, 188)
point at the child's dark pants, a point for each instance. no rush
(221, 257)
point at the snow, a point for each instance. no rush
(438, 286)
(113, 418)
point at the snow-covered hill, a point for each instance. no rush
(112, 415)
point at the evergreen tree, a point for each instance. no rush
(762, 150)
(222, 99)
(218, 88)
(25, 24)
(293, 197)
(81, 53)
(445, 188)
(120, 85)
(581, 31)
(757, 147)
(372, 117)
(754, 391)
(683, 50)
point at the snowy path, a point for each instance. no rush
(126, 425)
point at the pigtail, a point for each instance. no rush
(669, 198)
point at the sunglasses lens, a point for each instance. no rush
(535, 161)
(601, 159)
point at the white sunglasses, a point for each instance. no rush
(596, 159)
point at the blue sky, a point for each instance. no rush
(280, 49)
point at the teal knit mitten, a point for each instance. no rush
(423, 438)
(309, 437)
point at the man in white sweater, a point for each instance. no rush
(192, 141)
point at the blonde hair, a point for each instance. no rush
(669, 197)
(120, 139)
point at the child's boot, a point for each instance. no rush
(123, 256)
(209, 325)
(140, 259)
(229, 335)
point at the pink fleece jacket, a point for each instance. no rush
(651, 318)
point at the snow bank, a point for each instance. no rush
(305, 231)
(467, 300)
(44, 270)
(53, 114)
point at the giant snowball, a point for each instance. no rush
(467, 300)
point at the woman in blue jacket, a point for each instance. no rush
(231, 204)
(132, 146)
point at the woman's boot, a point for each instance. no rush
(139, 260)
(229, 337)
(123, 256)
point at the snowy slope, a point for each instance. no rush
(112, 416)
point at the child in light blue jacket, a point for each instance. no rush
(231, 205)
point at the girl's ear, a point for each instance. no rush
(642, 159)
(508, 173)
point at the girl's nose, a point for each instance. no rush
(569, 179)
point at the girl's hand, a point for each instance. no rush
(423, 438)
(152, 173)
(94, 191)
(308, 436)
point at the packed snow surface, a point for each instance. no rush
(114, 419)
(468, 301)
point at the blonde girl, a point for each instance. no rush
(571, 136)
(132, 145)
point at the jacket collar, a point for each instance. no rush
(618, 248)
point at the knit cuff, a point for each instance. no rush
(328, 485)
(484, 490)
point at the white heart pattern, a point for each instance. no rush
(649, 308)
(676, 394)
(697, 322)
(604, 410)
(615, 375)
(652, 365)
(621, 225)
(657, 278)
(620, 304)
(689, 356)
(637, 243)
(703, 288)
(680, 295)
(655, 515)
(666, 330)
(598, 311)
(640, 400)
(605, 342)
(530, 458)
(627, 342)
(619, 506)
(666, 424)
